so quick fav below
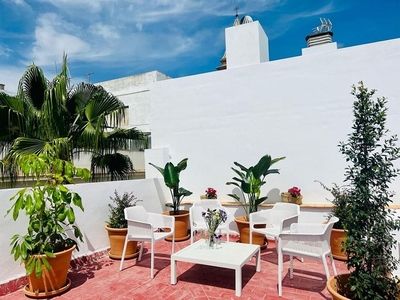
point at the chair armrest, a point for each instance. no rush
(286, 223)
(308, 228)
(139, 228)
(259, 218)
(161, 221)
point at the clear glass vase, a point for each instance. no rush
(212, 240)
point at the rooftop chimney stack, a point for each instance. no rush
(321, 39)
(2, 86)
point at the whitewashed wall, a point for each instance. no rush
(95, 197)
(299, 107)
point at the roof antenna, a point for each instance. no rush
(88, 76)
(236, 9)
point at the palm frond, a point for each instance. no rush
(117, 165)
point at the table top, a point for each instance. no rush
(225, 255)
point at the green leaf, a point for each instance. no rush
(161, 170)
(181, 165)
(171, 176)
(46, 262)
(30, 265)
(38, 268)
(71, 215)
(77, 200)
(262, 166)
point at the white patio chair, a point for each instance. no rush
(309, 240)
(197, 221)
(277, 219)
(143, 227)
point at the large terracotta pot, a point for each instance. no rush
(244, 231)
(333, 283)
(181, 225)
(337, 237)
(116, 236)
(53, 282)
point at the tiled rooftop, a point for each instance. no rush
(103, 280)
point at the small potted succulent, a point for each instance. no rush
(293, 195)
(117, 226)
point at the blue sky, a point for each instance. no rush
(118, 38)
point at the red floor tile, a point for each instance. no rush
(103, 280)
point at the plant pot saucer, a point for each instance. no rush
(129, 256)
(46, 294)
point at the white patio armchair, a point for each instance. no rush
(143, 227)
(308, 240)
(197, 221)
(276, 220)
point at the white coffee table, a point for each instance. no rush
(226, 255)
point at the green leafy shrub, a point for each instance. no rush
(116, 218)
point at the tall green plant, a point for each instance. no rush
(370, 153)
(49, 208)
(78, 119)
(250, 182)
(171, 179)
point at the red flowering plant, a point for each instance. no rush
(211, 193)
(294, 192)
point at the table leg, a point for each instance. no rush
(238, 281)
(173, 271)
(258, 265)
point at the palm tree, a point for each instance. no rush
(81, 119)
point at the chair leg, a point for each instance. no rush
(152, 260)
(280, 268)
(333, 264)
(173, 243)
(250, 236)
(325, 267)
(141, 251)
(123, 253)
(291, 267)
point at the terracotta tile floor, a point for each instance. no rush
(103, 280)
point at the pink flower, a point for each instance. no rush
(295, 191)
(211, 193)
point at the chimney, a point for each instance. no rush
(2, 86)
(321, 39)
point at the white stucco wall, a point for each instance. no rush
(134, 92)
(299, 107)
(246, 44)
(95, 198)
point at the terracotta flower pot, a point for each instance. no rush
(116, 236)
(53, 282)
(244, 231)
(334, 285)
(337, 237)
(181, 225)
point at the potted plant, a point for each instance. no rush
(117, 226)
(47, 246)
(370, 152)
(211, 193)
(338, 234)
(249, 182)
(293, 195)
(171, 175)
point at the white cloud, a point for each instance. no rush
(52, 38)
(10, 76)
(104, 31)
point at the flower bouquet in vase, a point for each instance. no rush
(213, 218)
(293, 195)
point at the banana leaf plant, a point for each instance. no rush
(171, 179)
(48, 206)
(250, 181)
